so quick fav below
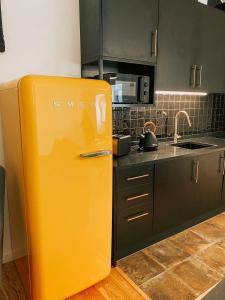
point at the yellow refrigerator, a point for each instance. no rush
(57, 136)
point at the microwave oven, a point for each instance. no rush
(128, 88)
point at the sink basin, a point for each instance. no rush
(192, 145)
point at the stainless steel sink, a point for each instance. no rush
(192, 145)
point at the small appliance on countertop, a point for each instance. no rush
(121, 144)
(129, 88)
(148, 140)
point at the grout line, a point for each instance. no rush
(156, 261)
(211, 268)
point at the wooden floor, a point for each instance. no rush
(117, 286)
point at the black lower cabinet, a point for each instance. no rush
(173, 195)
(134, 230)
(186, 188)
(208, 182)
(132, 209)
(223, 187)
(153, 200)
(223, 192)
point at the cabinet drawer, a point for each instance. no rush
(133, 230)
(135, 196)
(135, 176)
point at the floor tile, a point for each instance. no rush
(214, 257)
(189, 241)
(166, 286)
(166, 253)
(209, 232)
(139, 267)
(197, 275)
(217, 221)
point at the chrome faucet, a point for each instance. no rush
(176, 136)
(166, 122)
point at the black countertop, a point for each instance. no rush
(167, 152)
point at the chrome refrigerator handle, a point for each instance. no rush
(96, 154)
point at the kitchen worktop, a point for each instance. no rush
(167, 152)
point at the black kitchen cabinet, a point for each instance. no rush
(119, 30)
(186, 188)
(212, 50)
(223, 186)
(178, 39)
(132, 209)
(173, 193)
(209, 170)
(191, 47)
(130, 29)
(223, 192)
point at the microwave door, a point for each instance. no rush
(127, 91)
(117, 93)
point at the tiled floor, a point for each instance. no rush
(182, 267)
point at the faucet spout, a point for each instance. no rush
(176, 136)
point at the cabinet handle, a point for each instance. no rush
(154, 43)
(137, 177)
(196, 176)
(130, 219)
(199, 76)
(193, 75)
(137, 197)
(223, 165)
(222, 161)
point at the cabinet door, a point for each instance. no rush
(129, 28)
(178, 40)
(208, 183)
(212, 49)
(174, 193)
(134, 230)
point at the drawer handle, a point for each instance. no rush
(137, 197)
(137, 177)
(137, 217)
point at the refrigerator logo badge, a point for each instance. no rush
(58, 103)
(70, 103)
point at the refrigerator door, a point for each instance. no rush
(66, 127)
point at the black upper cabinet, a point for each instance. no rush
(212, 49)
(130, 29)
(119, 29)
(178, 49)
(191, 43)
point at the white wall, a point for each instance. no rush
(42, 37)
